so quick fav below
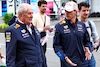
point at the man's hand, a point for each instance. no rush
(96, 47)
(46, 27)
(70, 62)
(50, 29)
(88, 54)
(1, 56)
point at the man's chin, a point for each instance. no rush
(85, 17)
(30, 21)
(43, 11)
(67, 18)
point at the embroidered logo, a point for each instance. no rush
(66, 26)
(25, 35)
(17, 25)
(23, 31)
(62, 22)
(8, 36)
(78, 25)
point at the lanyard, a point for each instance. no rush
(87, 24)
(44, 21)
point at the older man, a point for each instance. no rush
(23, 47)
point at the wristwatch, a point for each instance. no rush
(10, 1)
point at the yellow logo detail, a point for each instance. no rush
(8, 38)
(62, 22)
(17, 25)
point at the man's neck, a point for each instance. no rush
(22, 22)
(41, 13)
(73, 20)
(83, 19)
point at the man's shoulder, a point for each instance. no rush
(81, 22)
(13, 26)
(62, 22)
(91, 22)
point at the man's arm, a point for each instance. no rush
(70, 62)
(10, 37)
(1, 54)
(94, 35)
(57, 45)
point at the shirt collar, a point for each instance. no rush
(20, 21)
(24, 23)
(29, 25)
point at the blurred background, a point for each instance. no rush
(53, 6)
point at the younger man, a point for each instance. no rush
(91, 28)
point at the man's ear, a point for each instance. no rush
(21, 14)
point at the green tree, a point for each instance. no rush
(7, 17)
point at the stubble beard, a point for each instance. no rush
(43, 12)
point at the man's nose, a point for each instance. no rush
(45, 7)
(32, 15)
(87, 12)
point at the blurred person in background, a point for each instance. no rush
(62, 12)
(42, 21)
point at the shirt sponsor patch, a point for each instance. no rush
(80, 29)
(23, 31)
(17, 25)
(66, 26)
(79, 25)
(62, 22)
(67, 31)
(8, 36)
(24, 35)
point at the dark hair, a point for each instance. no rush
(41, 2)
(85, 4)
(63, 4)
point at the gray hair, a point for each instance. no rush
(22, 8)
